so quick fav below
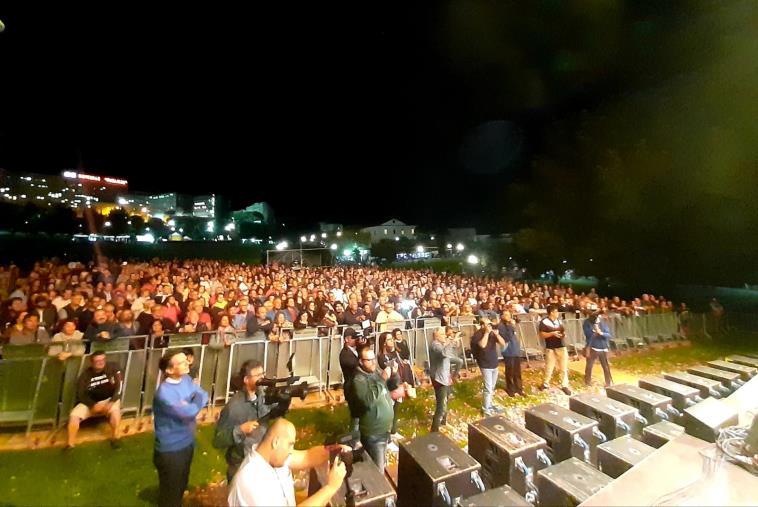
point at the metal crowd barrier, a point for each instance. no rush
(37, 388)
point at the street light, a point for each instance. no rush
(313, 237)
(303, 239)
(420, 249)
(107, 224)
(323, 235)
(333, 246)
(449, 246)
(473, 259)
(281, 246)
(339, 234)
(460, 247)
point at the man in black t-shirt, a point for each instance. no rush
(552, 331)
(484, 349)
(98, 394)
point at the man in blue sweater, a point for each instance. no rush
(511, 355)
(597, 333)
(177, 402)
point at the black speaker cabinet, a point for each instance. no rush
(506, 451)
(660, 433)
(367, 484)
(682, 396)
(743, 360)
(729, 379)
(746, 372)
(652, 406)
(502, 495)
(615, 418)
(567, 433)
(570, 482)
(433, 470)
(705, 419)
(708, 388)
(619, 455)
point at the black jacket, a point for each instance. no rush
(348, 363)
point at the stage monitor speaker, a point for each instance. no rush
(652, 406)
(367, 486)
(433, 470)
(746, 372)
(614, 418)
(708, 387)
(619, 455)
(656, 435)
(570, 482)
(508, 453)
(500, 496)
(729, 379)
(682, 396)
(567, 433)
(705, 419)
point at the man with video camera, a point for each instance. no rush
(244, 419)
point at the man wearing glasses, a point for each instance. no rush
(371, 393)
(243, 421)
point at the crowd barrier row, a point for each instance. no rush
(37, 388)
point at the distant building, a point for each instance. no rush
(204, 206)
(461, 234)
(391, 229)
(255, 220)
(72, 188)
(329, 228)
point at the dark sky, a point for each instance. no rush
(363, 114)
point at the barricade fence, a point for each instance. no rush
(37, 387)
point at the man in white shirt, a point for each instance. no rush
(265, 477)
(388, 317)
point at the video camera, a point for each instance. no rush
(282, 390)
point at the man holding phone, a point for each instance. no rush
(484, 345)
(265, 477)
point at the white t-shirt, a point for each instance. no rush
(258, 483)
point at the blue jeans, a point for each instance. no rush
(376, 447)
(489, 379)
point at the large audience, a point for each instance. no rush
(59, 303)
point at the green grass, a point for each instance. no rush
(678, 358)
(94, 474)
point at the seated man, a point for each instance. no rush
(244, 419)
(98, 394)
(265, 477)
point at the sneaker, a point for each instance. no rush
(68, 448)
(115, 443)
(542, 387)
(392, 447)
(566, 391)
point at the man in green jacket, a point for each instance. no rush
(371, 393)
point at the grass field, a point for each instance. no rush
(94, 474)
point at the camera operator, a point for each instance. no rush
(243, 420)
(265, 477)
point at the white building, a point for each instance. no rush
(392, 229)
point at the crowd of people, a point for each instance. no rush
(67, 307)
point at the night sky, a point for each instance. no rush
(421, 115)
